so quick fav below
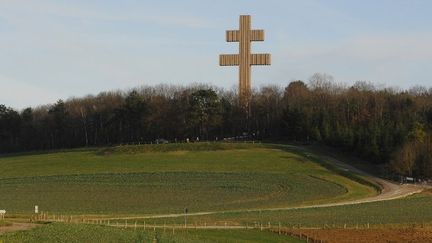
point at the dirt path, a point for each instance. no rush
(389, 191)
(17, 227)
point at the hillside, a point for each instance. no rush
(168, 178)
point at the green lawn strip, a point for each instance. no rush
(58, 232)
(253, 157)
(89, 162)
(243, 236)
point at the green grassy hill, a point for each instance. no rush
(166, 178)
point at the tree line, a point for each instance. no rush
(383, 125)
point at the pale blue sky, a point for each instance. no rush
(57, 49)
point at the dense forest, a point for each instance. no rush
(383, 125)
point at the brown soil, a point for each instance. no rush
(394, 235)
(17, 227)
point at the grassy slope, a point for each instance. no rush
(414, 209)
(92, 233)
(167, 178)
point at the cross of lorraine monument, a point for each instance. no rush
(244, 59)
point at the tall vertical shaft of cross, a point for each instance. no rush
(245, 35)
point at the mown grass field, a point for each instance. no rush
(167, 178)
(81, 233)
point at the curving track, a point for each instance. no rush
(389, 191)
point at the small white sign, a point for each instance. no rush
(36, 209)
(3, 211)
